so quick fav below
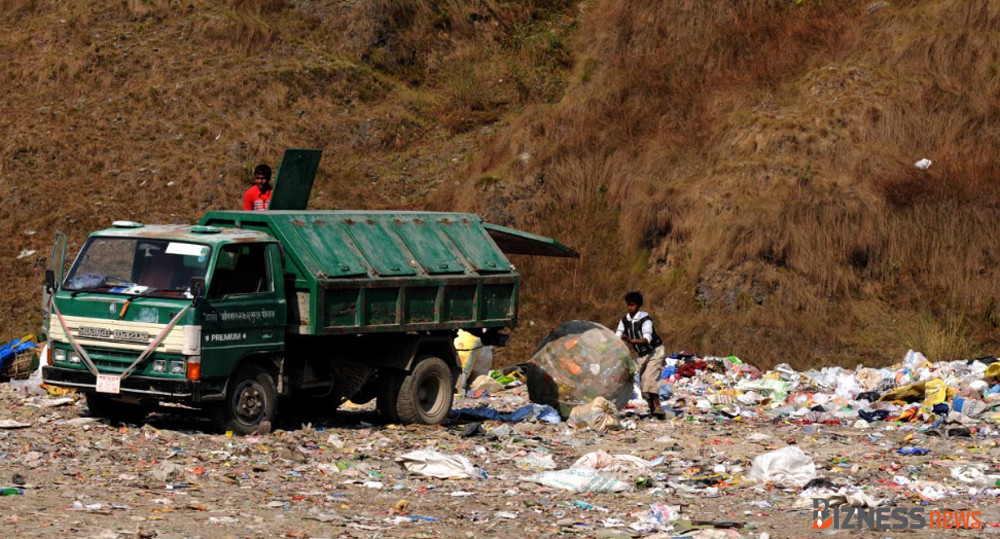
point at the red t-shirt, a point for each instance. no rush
(255, 199)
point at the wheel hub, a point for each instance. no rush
(250, 402)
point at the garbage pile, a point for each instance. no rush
(744, 453)
(916, 391)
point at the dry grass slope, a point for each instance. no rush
(758, 158)
(748, 165)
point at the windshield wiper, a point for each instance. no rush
(145, 293)
(91, 289)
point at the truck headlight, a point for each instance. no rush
(159, 365)
(58, 355)
(74, 357)
(178, 367)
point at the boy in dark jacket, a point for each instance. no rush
(636, 328)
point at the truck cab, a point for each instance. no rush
(142, 306)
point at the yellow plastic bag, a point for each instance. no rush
(474, 358)
(936, 392)
(992, 372)
(930, 393)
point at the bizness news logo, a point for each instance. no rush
(890, 518)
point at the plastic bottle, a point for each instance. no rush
(9, 491)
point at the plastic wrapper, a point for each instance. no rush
(577, 363)
(579, 481)
(787, 466)
(434, 464)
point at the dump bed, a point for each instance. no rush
(391, 271)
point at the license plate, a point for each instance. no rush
(109, 383)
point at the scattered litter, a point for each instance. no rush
(659, 518)
(536, 460)
(601, 460)
(743, 442)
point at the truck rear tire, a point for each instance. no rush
(116, 411)
(251, 401)
(425, 393)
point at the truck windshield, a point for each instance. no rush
(135, 266)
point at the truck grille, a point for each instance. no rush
(116, 360)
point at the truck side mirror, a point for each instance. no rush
(197, 287)
(50, 280)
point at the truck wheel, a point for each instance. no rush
(250, 401)
(115, 411)
(425, 394)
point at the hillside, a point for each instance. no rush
(749, 166)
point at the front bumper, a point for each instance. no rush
(175, 390)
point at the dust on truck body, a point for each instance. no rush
(317, 306)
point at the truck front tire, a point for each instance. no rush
(251, 400)
(425, 394)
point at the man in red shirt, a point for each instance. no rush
(258, 196)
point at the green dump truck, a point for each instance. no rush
(316, 307)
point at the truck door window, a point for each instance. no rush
(240, 269)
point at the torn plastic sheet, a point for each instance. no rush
(528, 412)
(440, 465)
(578, 480)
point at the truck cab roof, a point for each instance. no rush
(208, 235)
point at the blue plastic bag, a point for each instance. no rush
(11, 349)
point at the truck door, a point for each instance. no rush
(57, 265)
(244, 312)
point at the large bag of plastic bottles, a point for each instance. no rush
(578, 362)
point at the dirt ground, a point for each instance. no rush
(337, 476)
